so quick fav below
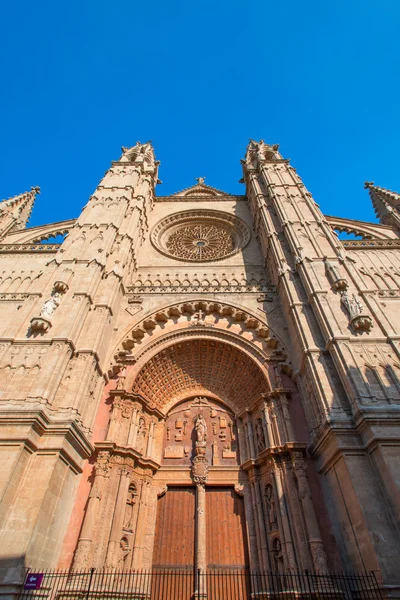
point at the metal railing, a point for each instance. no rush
(189, 584)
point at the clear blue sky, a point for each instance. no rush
(82, 78)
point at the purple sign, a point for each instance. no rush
(33, 581)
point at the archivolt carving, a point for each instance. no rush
(215, 312)
(200, 235)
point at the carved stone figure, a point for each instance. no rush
(271, 509)
(129, 509)
(50, 306)
(352, 304)
(260, 436)
(201, 428)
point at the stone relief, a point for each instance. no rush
(200, 235)
(200, 242)
(199, 427)
(358, 320)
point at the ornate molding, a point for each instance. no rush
(371, 244)
(200, 235)
(24, 248)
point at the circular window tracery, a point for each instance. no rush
(200, 236)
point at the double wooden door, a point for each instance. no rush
(175, 539)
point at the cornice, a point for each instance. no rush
(371, 244)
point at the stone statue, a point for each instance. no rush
(50, 306)
(201, 428)
(352, 304)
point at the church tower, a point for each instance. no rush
(201, 380)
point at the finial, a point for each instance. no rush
(35, 189)
(368, 184)
(200, 180)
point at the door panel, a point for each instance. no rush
(226, 540)
(175, 529)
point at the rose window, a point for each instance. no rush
(201, 235)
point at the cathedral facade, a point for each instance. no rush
(201, 379)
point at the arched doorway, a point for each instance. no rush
(201, 528)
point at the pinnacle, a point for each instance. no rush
(19, 207)
(383, 200)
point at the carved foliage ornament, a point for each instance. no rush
(200, 236)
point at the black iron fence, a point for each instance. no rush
(189, 584)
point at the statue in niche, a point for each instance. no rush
(260, 436)
(121, 379)
(278, 555)
(352, 304)
(123, 553)
(271, 508)
(50, 306)
(141, 436)
(130, 504)
(201, 428)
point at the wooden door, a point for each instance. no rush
(175, 529)
(226, 543)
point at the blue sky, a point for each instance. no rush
(80, 79)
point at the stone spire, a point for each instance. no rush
(15, 212)
(386, 204)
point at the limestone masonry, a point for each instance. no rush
(200, 379)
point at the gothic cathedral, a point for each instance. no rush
(202, 379)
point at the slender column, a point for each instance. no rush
(249, 512)
(119, 510)
(201, 561)
(84, 547)
(314, 536)
(137, 559)
(263, 541)
(289, 550)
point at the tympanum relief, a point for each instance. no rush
(205, 421)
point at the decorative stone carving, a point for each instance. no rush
(60, 287)
(198, 320)
(200, 236)
(271, 508)
(358, 320)
(50, 306)
(338, 282)
(200, 462)
(39, 324)
(201, 428)
(200, 242)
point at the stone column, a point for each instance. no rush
(263, 549)
(84, 547)
(138, 551)
(249, 513)
(117, 524)
(314, 536)
(201, 562)
(288, 543)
